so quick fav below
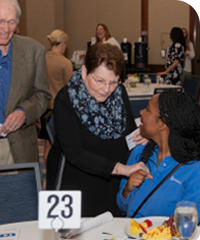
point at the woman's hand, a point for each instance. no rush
(135, 180)
(138, 139)
(127, 170)
(161, 73)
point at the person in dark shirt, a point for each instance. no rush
(175, 57)
(92, 117)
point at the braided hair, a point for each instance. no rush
(181, 113)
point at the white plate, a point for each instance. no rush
(157, 221)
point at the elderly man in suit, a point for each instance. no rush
(24, 89)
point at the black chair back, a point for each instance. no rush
(191, 84)
(49, 125)
(138, 105)
(159, 90)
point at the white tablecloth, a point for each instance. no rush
(140, 92)
(30, 231)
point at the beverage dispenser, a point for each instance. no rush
(126, 49)
(141, 54)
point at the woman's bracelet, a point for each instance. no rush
(117, 166)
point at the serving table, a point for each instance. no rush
(109, 230)
(140, 91)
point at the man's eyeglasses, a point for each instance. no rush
(102, 82)
(11, 23)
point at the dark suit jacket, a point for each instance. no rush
(29, 89)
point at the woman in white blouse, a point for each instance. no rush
(189, 55)
(103, 36)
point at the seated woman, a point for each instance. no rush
(92, 116)
(172, 123)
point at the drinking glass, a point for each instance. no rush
(185, 219)
(159, 80)
(147, 82)
(168, 82)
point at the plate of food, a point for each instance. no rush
(152, 228)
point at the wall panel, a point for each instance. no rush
(80, 21)
(40, 18)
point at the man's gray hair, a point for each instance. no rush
(16, 5)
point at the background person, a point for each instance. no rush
(24, 92)
(92, 116)
(59, 71)
(175, 57)
(171, 122)
(189, 55)
(102, 35)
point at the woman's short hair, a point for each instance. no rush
(181, 113)
(106, 53)
(105, 29)
(57, 36)
(176, 35)
(16, 5)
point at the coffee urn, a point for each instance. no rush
(141, 54)
(126, 49)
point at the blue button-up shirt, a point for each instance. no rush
(182, 185)
(5, 80)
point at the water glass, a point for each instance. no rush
(147, 82)
(159, 80)
(168, 82)
(185, 218)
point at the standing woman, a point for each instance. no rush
(175, 57)
(59, 71)
(92, 117)
(103, 36)
(189, 55)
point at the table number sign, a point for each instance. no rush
(59, 209)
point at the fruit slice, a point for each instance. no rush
(134, 223)
(143, 228)
(149, 223)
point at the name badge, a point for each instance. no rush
(129, 140)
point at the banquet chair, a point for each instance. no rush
(19, 187)
(138, 105)
(191, 84)
(159, 90)
(49, 125)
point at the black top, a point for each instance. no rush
(89, 160)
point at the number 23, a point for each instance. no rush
(56, 199)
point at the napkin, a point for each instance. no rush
(91, 223)
(2, 134)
